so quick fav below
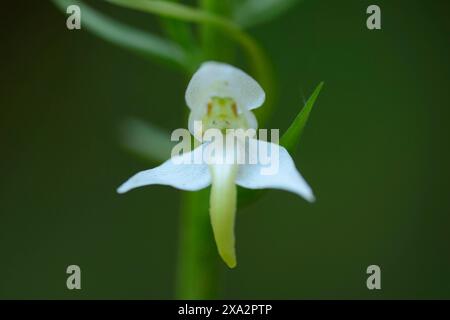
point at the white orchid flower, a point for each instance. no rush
(221, 97)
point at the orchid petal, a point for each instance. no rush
(252, 122)
(196, 115)
(180, 172)
(214, 79)
(285, 176)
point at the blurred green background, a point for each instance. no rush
(375, 151)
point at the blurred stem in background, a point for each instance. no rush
(216, 45)
(197, 268)
(197, 276)
(180, 32)
(207, 19)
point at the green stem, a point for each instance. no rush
(198, 256)
(197, 271)
(179, 31)
(216, 45)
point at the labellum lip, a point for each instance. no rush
(223, 210)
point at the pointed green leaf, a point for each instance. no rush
(292, 136)
(289, 140)
(128, 37)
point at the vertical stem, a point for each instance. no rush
(216, 45)
(182, 33)
(179, 31)
(197, 273)
(198, 259)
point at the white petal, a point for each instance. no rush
(251, 119)
(214, 79)
(180, 172)
(285, 176)
(195, 116)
